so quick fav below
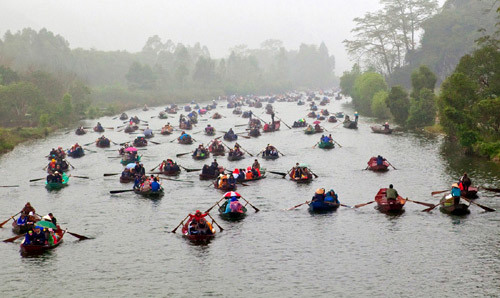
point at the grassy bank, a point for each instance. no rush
(10, 137)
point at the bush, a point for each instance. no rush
(379, 107)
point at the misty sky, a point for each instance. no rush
(218, 24)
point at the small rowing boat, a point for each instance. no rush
(389, 206)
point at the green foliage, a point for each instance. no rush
(140, 76)
(422, 109)
(399, 104)
(422, 78)
(365, 87)
(348, 79)
(379, 107)
(7, 75)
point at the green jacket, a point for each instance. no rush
(391, 193)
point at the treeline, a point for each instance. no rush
(388, 40)
(372, 96)
(165, 71)
(468, 106)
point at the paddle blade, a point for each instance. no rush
(110, 174)
(438, 192)
(1, 224)
(364, 204)
(421, 203)
(120, 191)
(80, 237)
(13, 238)
(38, 179)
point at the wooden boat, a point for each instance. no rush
(389, 206)
(185, 141)
(271, 128)
(171, 110)
(80, 131)
(150, 194)
(332, 119)
(102, 143)
(131, 128)
(373, 166)
(202, 156)
(185, 126)
(300, 103)
(322, 206)
(246, 114)
(209, 176)
(311, 115)
(123, 116)
(236, 157)
(162, 115)
(126, 179)
(198, 238)
(145, 109)
(216, 116)
(167, 130)
(79, 152)
(325, 112)
(471, 193)
(338, 97)
(314, 108)
(258, 105)
(326, 145)
(16, 229)
(227, 187)
(302, 180)
(262, 176)
(210, 132)
(98, 129)
(270, 157)
(339, 115)
(237, 111)
(298, 124)
(381, 129)
(57, 185)
(187, 108)
(171, 171)
(230, 138)
(350, 124)
(231, 216)
(140, 143)
(30, 249)
(254, 132)
(450, 208)
(127, 161)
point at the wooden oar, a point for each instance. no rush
(208, 210)
(12, 217)
(364, 204)
(240, 147)
(315, 176)
(37, 179)
(278, 173)
(182, 154)
(9, 185)
(190, 170)
(173, 140)
(182, 221)
(491, 189)
(337, 143)
(120, 191)
(316, 145)
(421, 203)
(297, 206)
(485, 208)
(438, 192)
(220, 228)
(14, 238)
(391, 165)
(283, 122)
(88, 144)
(82, 177)
(156, 143)
(89, 150)
(279, 152)
(431, 208)
(156, 167)
(347, 206)
(70, 164)
(256, 209)
(171, 179)
(110, 174)
(240, 125)
(246, 137)
(80, 237)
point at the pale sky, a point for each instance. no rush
(218, 24)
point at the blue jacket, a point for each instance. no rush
(21, 221)
(456, 192)
(155, 186)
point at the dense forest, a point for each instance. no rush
(459, 52)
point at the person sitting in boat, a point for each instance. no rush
(51, 218)
(184, 136)
(103, 141)
(22, 220)
(332, 197)
(456, 193)
(27, 209)
(148, 132)
(155, 186)
(139, 168)
(222, 180)
(325, 139)
(380, 160)
(347, 119)
(317, 127)
(53, 152)
(38, 238)
(50, 177)
(319, 195)
(464, 183)
(230, 134)
(126, 173)
(209, 129)
(249, 174)
(200, 151)
(231, 181)
(391, 193)
(198, 216)
(51, 237)
(356, 116)
(256, 165)
(386, 126)
(52, 165)
(99, 126)
(309, 128)
(137, 182)
(233, 206)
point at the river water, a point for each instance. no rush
(348, 253)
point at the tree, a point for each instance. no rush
(398, 104)
(421, 78)
(379, 107)
(422, 109)
(204, 70)
(348, 78)
(7, 75)
(140, 76)
(365, 87)
(20, 100)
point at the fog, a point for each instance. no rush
(220, 25)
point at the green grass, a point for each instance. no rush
(10, 137)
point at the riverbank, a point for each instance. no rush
(11, 137)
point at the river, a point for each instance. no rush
(348, 253)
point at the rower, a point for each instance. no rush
(456, 193)
(380, 160)
(256, 164)
(319, 195)
(391, 193)
(465, 182)
(386, 126)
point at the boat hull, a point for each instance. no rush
(389, 206)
